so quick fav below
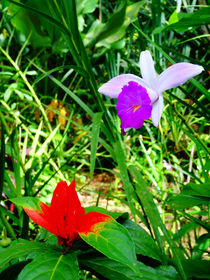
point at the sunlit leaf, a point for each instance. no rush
(114, 241)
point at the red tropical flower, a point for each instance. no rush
(65, 217)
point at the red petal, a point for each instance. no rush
(66, 209)
(42, 217)
(58, 208)
(75, 211)
(92, 222)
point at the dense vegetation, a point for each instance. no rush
(55, 126)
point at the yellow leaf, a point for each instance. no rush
(50, 109)
(61, 117)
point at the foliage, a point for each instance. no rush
(56, 126)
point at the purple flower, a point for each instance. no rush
(133, 106)
(139, 99)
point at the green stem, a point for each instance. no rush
(2, 161)
(7, 225)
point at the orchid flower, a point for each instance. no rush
(65, 217)
(142, 98)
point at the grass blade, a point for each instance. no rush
(94, 140)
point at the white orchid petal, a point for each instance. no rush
(114, 86)
(157, 109)
(146, 64)
(176, 75)
(153, 95)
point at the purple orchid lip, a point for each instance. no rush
(133, 106)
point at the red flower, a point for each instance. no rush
(65, 217)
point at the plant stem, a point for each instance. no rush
(7, 225)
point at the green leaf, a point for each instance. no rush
(20, 248)
(184, 230)
(107, 29)
(173, 18)
(114, 241)
(144, 243)
(149, 207)
(133, 10)
(114, 270)
(27, 202)
(201, 246)
(94, 140)
(114, 215)
(111, 34)
(2, 160)
(28, 24)
(198, 268)
(187, 201)
(187, 20)
(51, 266)
(206, 170)
(155, 220)
(12, 271)
(191, 195)
(121, 161)
(197, 189)
(86, 6)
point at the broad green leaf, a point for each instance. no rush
(114, 215)
(51, 266)
(182, 201)
(20, 248)
(144, 243)
(86, 6)
(187, 20)
(94, 140)
(133, 10)
(115, 40)
(191, 195)
(111, 33)
(12, 271)
(181, 22)
(114, 241)
(109, 28)
(28, 24)
(198, 268)
(114, 270)
(27, 202)
(201, 246)
(197, 189)
(173, 18)
(42, 25)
